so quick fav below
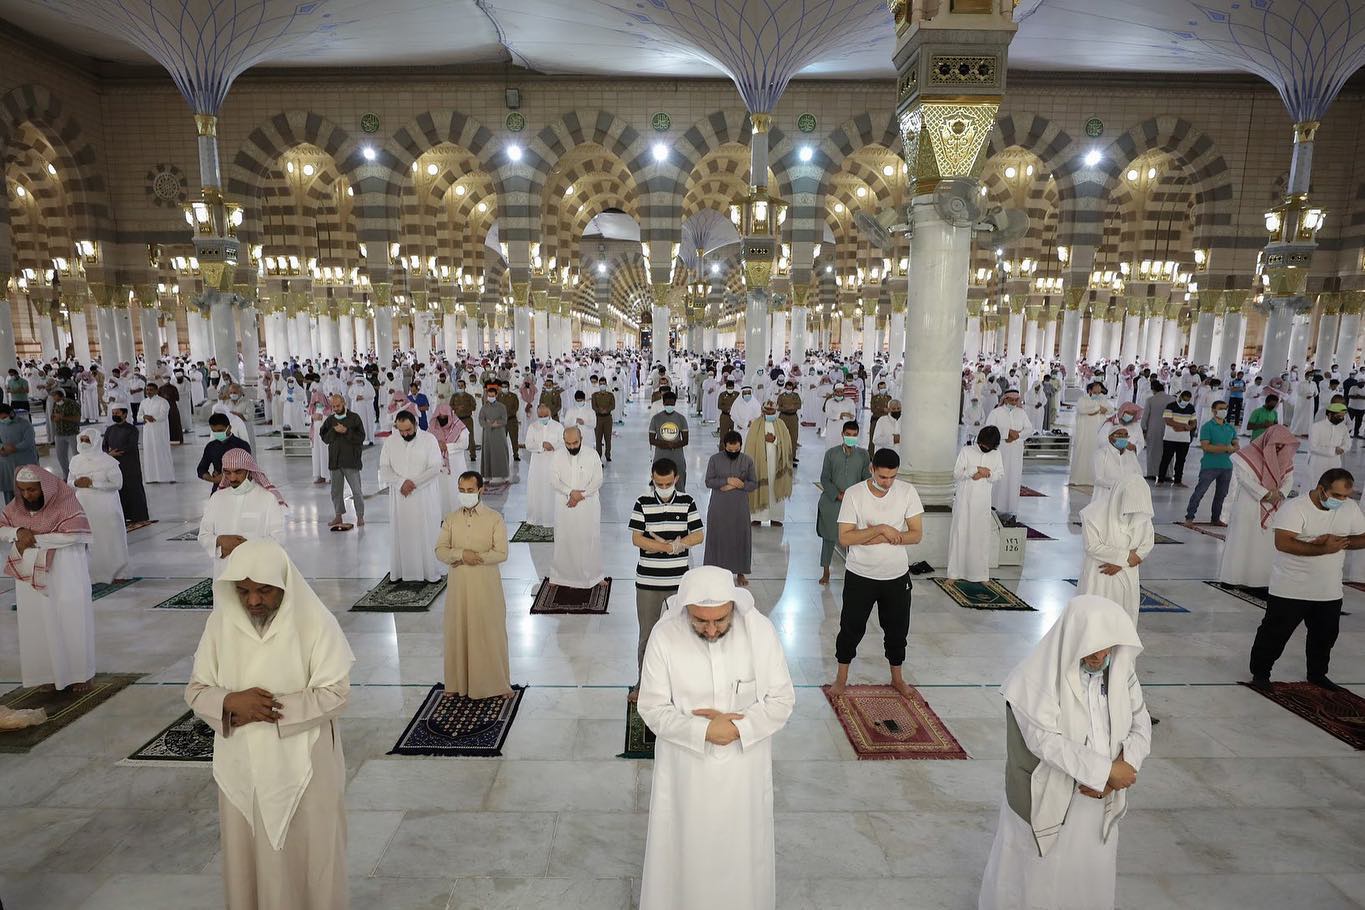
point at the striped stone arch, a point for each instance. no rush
(1084, 189)
(247, 172)
(806, 184)
(77, 163)
(1049, 142)
(600, 180)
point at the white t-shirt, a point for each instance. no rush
(862, 509)
(1311, 577)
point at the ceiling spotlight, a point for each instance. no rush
(568, 190)
(862, 192)
(1029, 170)
(51, 169)
(829, 269)
(806, 153)
(20, 191)
(308, 170)
(514, 152)
(350, 191)
(1132, 173)
(414, 167)
(368, 152)
(601, 268)
(289, 166)
(1151, 173)
(888, 170)
(838, 208)
(460, 190)
(432, 170)
(715, 268)
(660, 152)
(1093, 157)
(1011, 172)
(483, 206)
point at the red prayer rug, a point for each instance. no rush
(1339, 712)
(883, 724)
(1029, 491)
(553, 598)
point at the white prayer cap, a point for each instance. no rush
(706, 586)
(27, 474)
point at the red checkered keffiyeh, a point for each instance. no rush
(61, 514)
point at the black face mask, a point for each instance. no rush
(407, 438)
(1336, 419)
(895, 415)
(118, 419)
(986, 450)
(574, 450)
(733, 455)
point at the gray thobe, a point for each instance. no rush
(495, 459)
(18, 433)
(729, 537)
(843, 467)
(1154, 429)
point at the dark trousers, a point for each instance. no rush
(1356, 415)
(601, 433)
(469, 432)
(1178, 451)
(892, 599)
(1221, 478)
(513, 435)
(1282, 617)
(1235, 411)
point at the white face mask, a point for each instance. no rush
(664, 492)
(468, 500)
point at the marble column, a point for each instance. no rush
(108, 339)
(362, 335)
(123, 335)
(1156, 326)
(1131, 343)
(450, 333)
(521, 317)
(973, 342)
(248, 319)
(172, 333)
(151, 335)
(346, 332)
(778, 345)
(421, 335)
(1325, 347)
(1279, 328)
(540, 320)
(1298, 339)
(383, 333)
(46, 335)
(1050, 337)
(895, 346)
(1350, 328)
(662, 351)
(800, 333)
(871, 342)
(1094, 345)
(935, 330)
(1030, 332)
(1171, 347)
(1202, 351)
(329, 336)
(1014, 340)
(223, 326)
(80, 337)
(1233, 327)
(9, 356)
(1070, 354)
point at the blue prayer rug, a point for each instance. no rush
(449, 725)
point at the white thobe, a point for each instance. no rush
(108, 555)
(540, 495)
(1249, 548)
(1090, 413)
(57, 624)
(255, 514)
(885, 433)
(580, 416)
(744, 412)
(295, 409)
(115, 396)
(1110, 466)
(90, 401)
(1304, 396)
(1080, 870)
(416, 518)
(838, 411)
(711, 807)
(185, 406)
(361, 400)
(578, 530)
(1111, 546)
(157, 466)
(1005, 494)
(972, 537)
(1324, 438)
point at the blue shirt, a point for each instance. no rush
(1220, 434)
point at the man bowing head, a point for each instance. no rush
(714, 689)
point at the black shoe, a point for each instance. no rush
(1154, 720)
(1261, 683)
(1322, 682)
(921, 568)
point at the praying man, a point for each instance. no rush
(271, 676)
(409, 464)
(1015, 427)
(714, 688)
(246, 507)
(576, 479)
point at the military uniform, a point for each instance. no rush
(789, 412)
(603, 404)
(462, 403)
(509, 400)
(550, 398)
(877, 407)
(726, 423)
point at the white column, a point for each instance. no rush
(123, 335)
(895, 346)
(1014, 340)
(172, 335)
(973, 341)
(778, 345)
(223, 325)
(1298, 340)
(421, 336)
(151, 335)
(1202, 345)
(1030, 337)
(846, 342)
(362, 335)
(47, 336)
(346, 334)
(1094, 345)
(1131, 343)
(935, 329)
(521, 317)
(450, 334)
(383, 334)
(1233, 328)
(329, 344)
(800, 334)
(1346, 339)
(1216, 347)
(755, 335)
(871, 344)
(1156, 325)
(248, 319)
(1325, 348)
(9, 356)
(80, 336)
(1171, 346)
(104, 328)
(1071, 344)
(661, 352)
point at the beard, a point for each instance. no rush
(712, 641)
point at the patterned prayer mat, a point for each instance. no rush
(63, 708)
(99, 589)
(1340, 713)
(1207, 530)
(400, 596)
(454, 725)
(1254, 596)
(529, 533)
(552, 598)
(981, 595)
(1029, 491)
(1355, 585)
(184, 538)
(186, 739)
(1149, 601)
(639, 738)
(883, 724)
(1034, 533)
(139, 525)
(198, 596)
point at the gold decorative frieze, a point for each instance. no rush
(964, 70)
(1075, 298)
(946, 138)
(758, 272)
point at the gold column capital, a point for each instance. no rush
(758, 272)
(521, 292)
(800, 294)
(1306, 130)
(1286, 281)
(946, 138)
(206, 124)
(1352, 302)
(217, 275)
(761, 122)
(1074, 298)
(383, 293)
(1208, 299)
(1331, 303)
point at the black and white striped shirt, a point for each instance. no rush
(667, 520)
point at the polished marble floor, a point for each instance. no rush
(1242, 804)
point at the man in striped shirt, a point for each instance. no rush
(664, 524)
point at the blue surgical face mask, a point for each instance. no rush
(1332, 504)
(1104, 666)
(1126, 418)
(668, 409)
(851, 441)
(1120, 444)
(220, 435)
(771, 418)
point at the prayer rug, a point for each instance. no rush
(639, 738)
(139, 525)
(1254, 596)
(63, 708)
(883, 724)
(455, 725)
(1086, 488)
(981, 595)
(186, 739)
(198, 596)
(1029, 491)
(1340, 713)
(400, 596)
(1355, 585)
(1207, 530)
(1149, 601)
(1034, 533)
(99, 589)
(552, 598)
(184, 538)
(529, 533)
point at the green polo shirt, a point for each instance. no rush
(1220, 434)
(1261, 415)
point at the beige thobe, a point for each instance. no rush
(476, 613)
(309, 871)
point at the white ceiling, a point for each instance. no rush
(640, 37)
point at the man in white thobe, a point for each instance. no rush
(245, 507)
(157, 466)
(361, 399)
(409, 464)
(1015, 427)
(116, 392)
(745, 410)
(544, 437)
(576, 478)
(887, 432)
(1328, 440)
(51, 571)
(714, 688)
(97, 478)
(182, 386)
(972, 538)
(579, 414)
(1077, 733)
(838, 410)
